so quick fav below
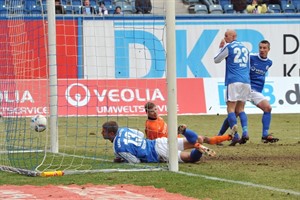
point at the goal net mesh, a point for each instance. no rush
(108, 67)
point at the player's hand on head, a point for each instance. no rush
(222, 43)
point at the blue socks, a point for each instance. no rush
(266, 120)
(231, 119)
(191, 136)
(224, 127)
(195, 155)
(244, 123)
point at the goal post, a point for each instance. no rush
(52, 76)
(171, 80)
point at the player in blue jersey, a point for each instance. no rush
(131, 146)
(259, 66)
(237, 82)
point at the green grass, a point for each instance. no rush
(274, 165)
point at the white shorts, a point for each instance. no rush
(162, 148)
(238, 92)
(257, 97)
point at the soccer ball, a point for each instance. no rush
(38, 123)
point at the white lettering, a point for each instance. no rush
(120, 109)
(113, 95)
(100, 97)
(14, 96)
(8, 111)
(6, 97)
(157, 95)
(138, 96)
(128, 95)
(27, 97)
(162, 108)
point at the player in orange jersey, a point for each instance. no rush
(156, 127)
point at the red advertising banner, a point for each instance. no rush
(100, 97)
(23, 97)
(24, 47)
(66, 48)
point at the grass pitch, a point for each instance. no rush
(251, 171)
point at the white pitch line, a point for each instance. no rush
(242, 183)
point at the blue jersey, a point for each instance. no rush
(237, 62)
(131, 145)
(258, 69)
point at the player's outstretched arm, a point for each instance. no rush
(129, 157)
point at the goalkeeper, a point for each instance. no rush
(131, 146)
(156, 127)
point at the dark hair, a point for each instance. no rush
(118, 7)
(149, 105)
(266, 42)
(101, 2)
(111, 126)
(259, 2)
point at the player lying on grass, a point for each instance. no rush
(260, 64)
(156, 127)
(131, 146)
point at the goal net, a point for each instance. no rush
(105, 67)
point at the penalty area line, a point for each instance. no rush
(241, 183)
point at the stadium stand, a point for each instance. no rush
(107, 2)
(76, 2)
(29, 4)
(68, 9)
(283, 3)
(132, 3)
(63, 2)
(14, 4)
(35, 10)
(110, 9)
(3, 10)
(96, 7)
(275, 7)
(224, 3)
(76, 9)
(297, 5)
(228, 9)
(40, 3)
(119, 2)
(93, 2)
(44, 8)
(200, 9)
(288, 8)
(296, 2)
(128, 6)
(191, 1)
(127, 9)
(216, 9)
